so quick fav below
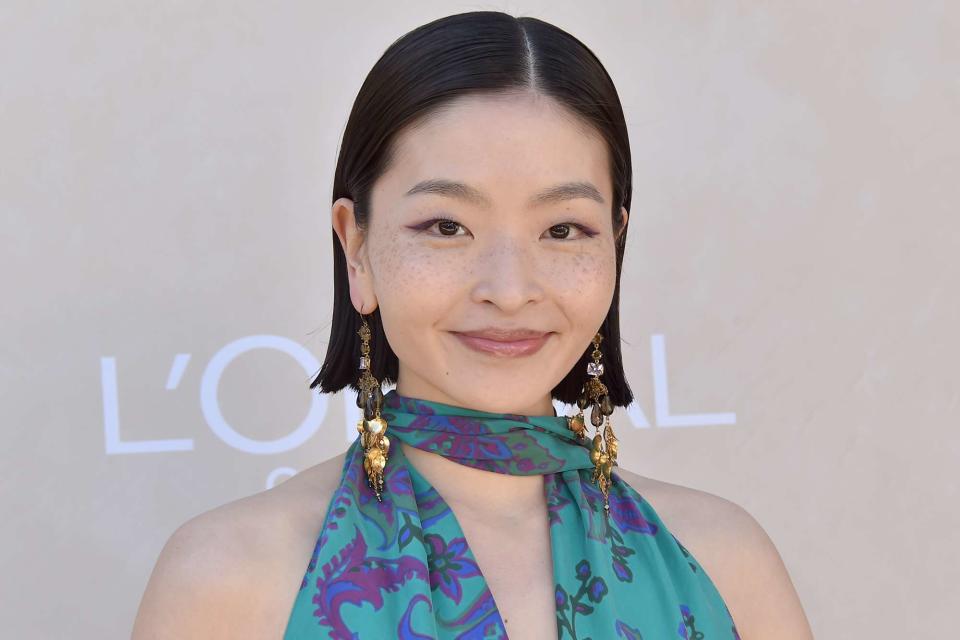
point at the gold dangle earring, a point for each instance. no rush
(603, 453)
(372, 428)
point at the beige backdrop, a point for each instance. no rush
(790, 295)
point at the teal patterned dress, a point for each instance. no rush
(402, 568)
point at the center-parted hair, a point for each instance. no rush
(479, 52)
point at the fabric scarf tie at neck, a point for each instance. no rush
(500, 442)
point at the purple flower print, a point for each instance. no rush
(597, 589)
(594, 588)
(627, 516)
(687, 628)
(621, 570)
(449, 564)
(583, 570)
(627, 632)
(353, 577)
(405, 627)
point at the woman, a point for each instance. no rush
(480, 212)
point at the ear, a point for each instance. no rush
(353, 241)
(624, 215)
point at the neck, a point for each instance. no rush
(478, 399)
(477, 493)
(472, 492)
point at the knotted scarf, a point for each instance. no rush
(402, 568)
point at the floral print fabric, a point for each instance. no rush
(402, 568)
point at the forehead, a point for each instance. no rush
(509, 144)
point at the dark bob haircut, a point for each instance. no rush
(454, 56)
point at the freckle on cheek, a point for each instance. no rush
(387, 259)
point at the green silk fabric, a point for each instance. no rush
(402, 568)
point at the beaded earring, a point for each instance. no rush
(372, 428)
(603, 452)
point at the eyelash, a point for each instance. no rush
(423, 226)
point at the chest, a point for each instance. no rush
(517, 565)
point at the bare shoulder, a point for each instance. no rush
(736, 553)
(234, 571)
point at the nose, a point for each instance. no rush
(507, 275)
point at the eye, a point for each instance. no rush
(562, 231)
(446, 227)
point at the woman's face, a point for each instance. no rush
(505, 260)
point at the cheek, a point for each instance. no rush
(584, 285)
(413, 286)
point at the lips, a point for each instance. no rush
(504, 342)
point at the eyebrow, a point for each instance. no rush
(551, 195)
